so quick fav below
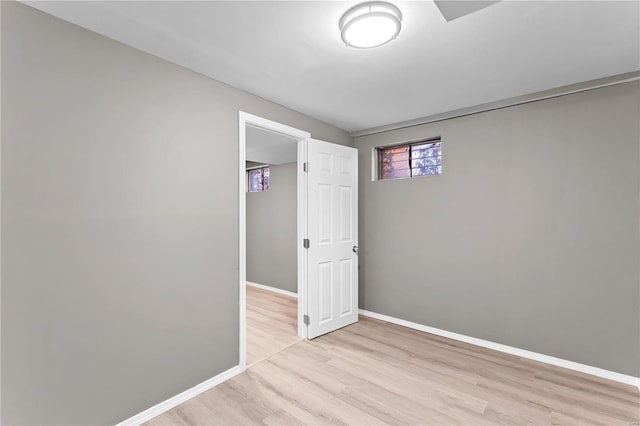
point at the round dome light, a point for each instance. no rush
(370, 24)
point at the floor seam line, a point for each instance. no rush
(300, 339)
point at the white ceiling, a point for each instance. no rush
(290, 52)
(455, 9)
(267, 147)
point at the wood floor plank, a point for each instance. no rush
(271, 323)
(376, 373)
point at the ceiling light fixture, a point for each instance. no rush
(370, 24)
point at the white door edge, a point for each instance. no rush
(302, 234)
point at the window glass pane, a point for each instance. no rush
(258, 179)
(265, 179)
(420, 159)
(394, 162)
(255, 180)
(426, 159)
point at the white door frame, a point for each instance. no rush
(245, 119)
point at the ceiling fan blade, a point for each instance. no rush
(454, 9)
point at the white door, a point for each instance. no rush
(332, 229)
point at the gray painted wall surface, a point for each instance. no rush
(119, 223)
(272, 231)
(530, 236)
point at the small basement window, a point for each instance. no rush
(410, 160)
(258, 179)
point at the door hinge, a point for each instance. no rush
(305, 243)
(306, 320)
(305, 167)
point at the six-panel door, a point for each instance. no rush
(332, 300)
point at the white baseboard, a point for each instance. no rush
(174, 401)
(595, 371)
(273, 289)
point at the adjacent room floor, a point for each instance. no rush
(373, 372)
(271, 323)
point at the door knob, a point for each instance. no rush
(356, 250)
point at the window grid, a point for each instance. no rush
(411, 160)
(258, 179)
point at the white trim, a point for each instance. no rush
(583, 368)
(505, 103)
(265, 124)
(174, 401)
(244, 120)
(272, 289)
(0, 223)
(242, 239)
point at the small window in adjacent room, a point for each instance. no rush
(410, 160)
(258, 179)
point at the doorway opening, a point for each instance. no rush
(272, 220)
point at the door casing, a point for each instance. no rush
(244, 120)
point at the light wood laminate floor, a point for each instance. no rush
(374, 373)
(271, 323)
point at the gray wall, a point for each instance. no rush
(119, 223)
(272, 231)
(530, 236)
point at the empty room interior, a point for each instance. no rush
(271, 277)
(320, 212)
